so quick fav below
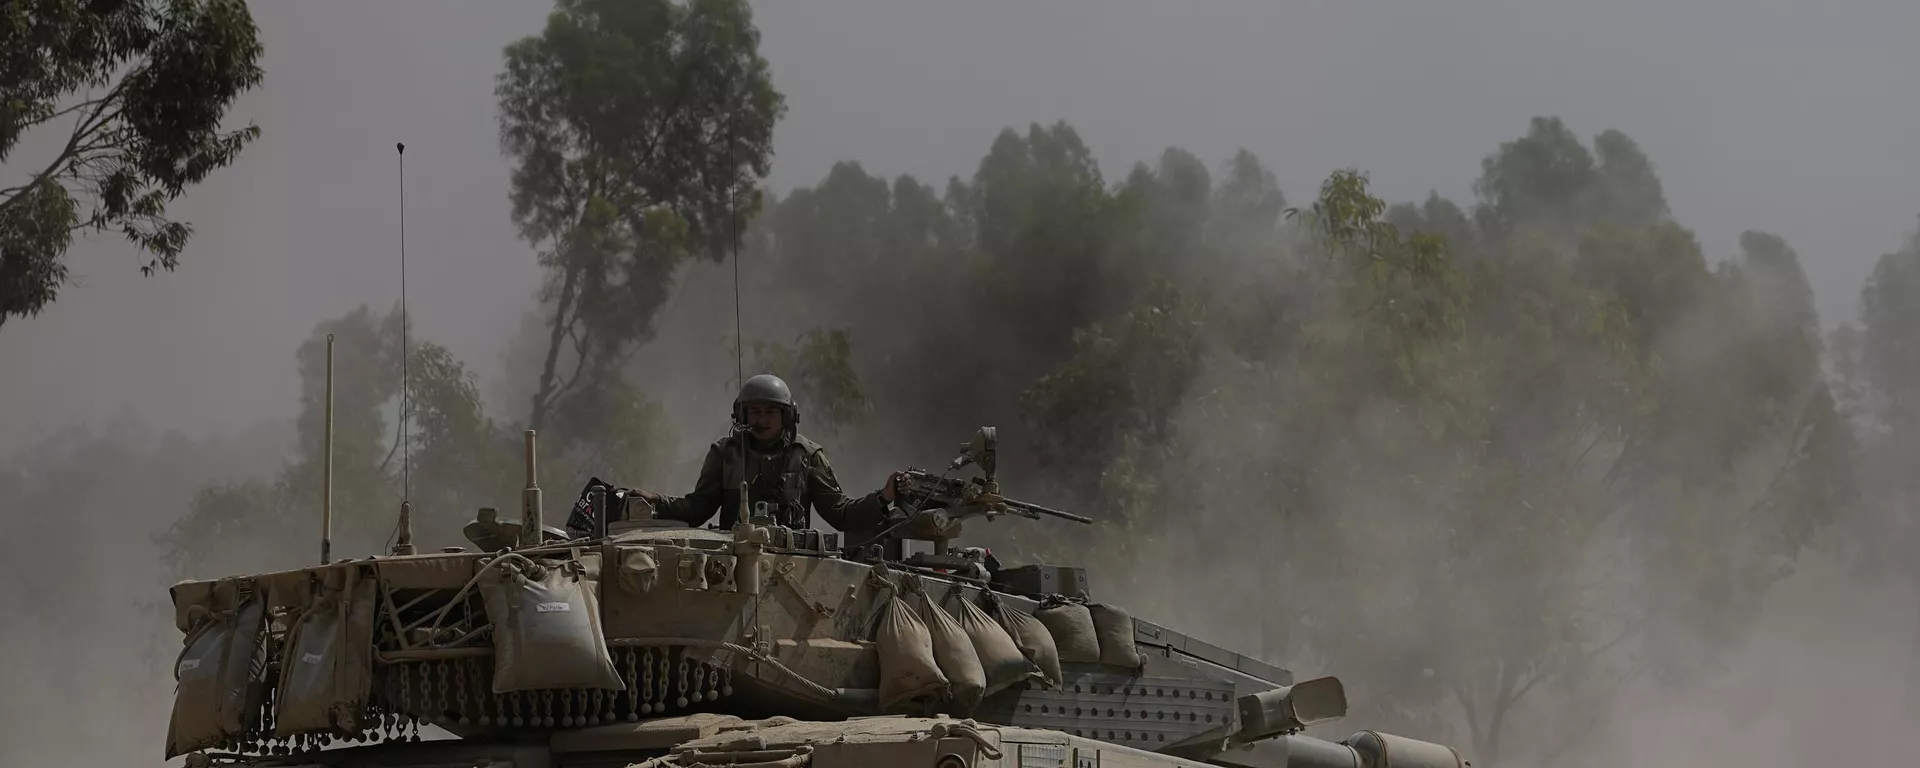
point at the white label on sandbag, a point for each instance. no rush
(310, 658)
(189, 665)
(553, 607)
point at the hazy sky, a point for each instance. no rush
(1796, 119)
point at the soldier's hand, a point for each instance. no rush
(895, 481)
(652, 500)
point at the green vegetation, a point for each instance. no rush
(637, 130)
(145, 86)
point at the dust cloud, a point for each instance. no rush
(1823, 678)
(1265, 479)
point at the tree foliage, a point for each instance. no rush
(1548, 181)
(636, 130)
(1876, 358)
(146, 86)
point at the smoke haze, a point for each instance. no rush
(131, 395)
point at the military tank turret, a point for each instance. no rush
(623, 639)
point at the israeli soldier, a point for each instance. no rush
(781, 466)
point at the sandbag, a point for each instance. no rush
(214, 676)
(1034, 641)
(1071, 625)
(546, 629)
(907, 668)
(1114, 626)
(240, 693)
(196, 698)
(326, 671)
(1000, 656)
(353, 676)
(954, 652)
(307, 669)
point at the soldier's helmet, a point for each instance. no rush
(766, 388)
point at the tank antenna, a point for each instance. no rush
(326, 469)
(740, 430)
(403, 545)
(733, 231)
(530, 512)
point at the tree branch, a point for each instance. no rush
(560, 320)
(57, 115)
(1585, 428)
(580, 364)
(1582, 658)
(398, 437)
(82, 129)
(1473, 717)
(1503, 700)
(1794, 444)
(647, 155)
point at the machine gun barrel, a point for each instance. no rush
(1048, 511)
(954, 491)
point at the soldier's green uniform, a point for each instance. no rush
(792, 474)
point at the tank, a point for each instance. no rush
(619, 639)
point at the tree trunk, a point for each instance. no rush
(538, 416)
(1490, 743)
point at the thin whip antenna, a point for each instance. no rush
(742, 517)
(406, 436)
(733, 229)
(326, 464)
(403, 543)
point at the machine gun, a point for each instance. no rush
(969, 498)
(976, 496)
(936, 504)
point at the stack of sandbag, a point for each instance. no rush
(959, 656)
(908, 670)
(1071, 625)
(1035, 642)
(969, 652)
(1000, 652)
(956, 656)
(1089, 633)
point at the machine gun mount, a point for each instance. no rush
(938, 504)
